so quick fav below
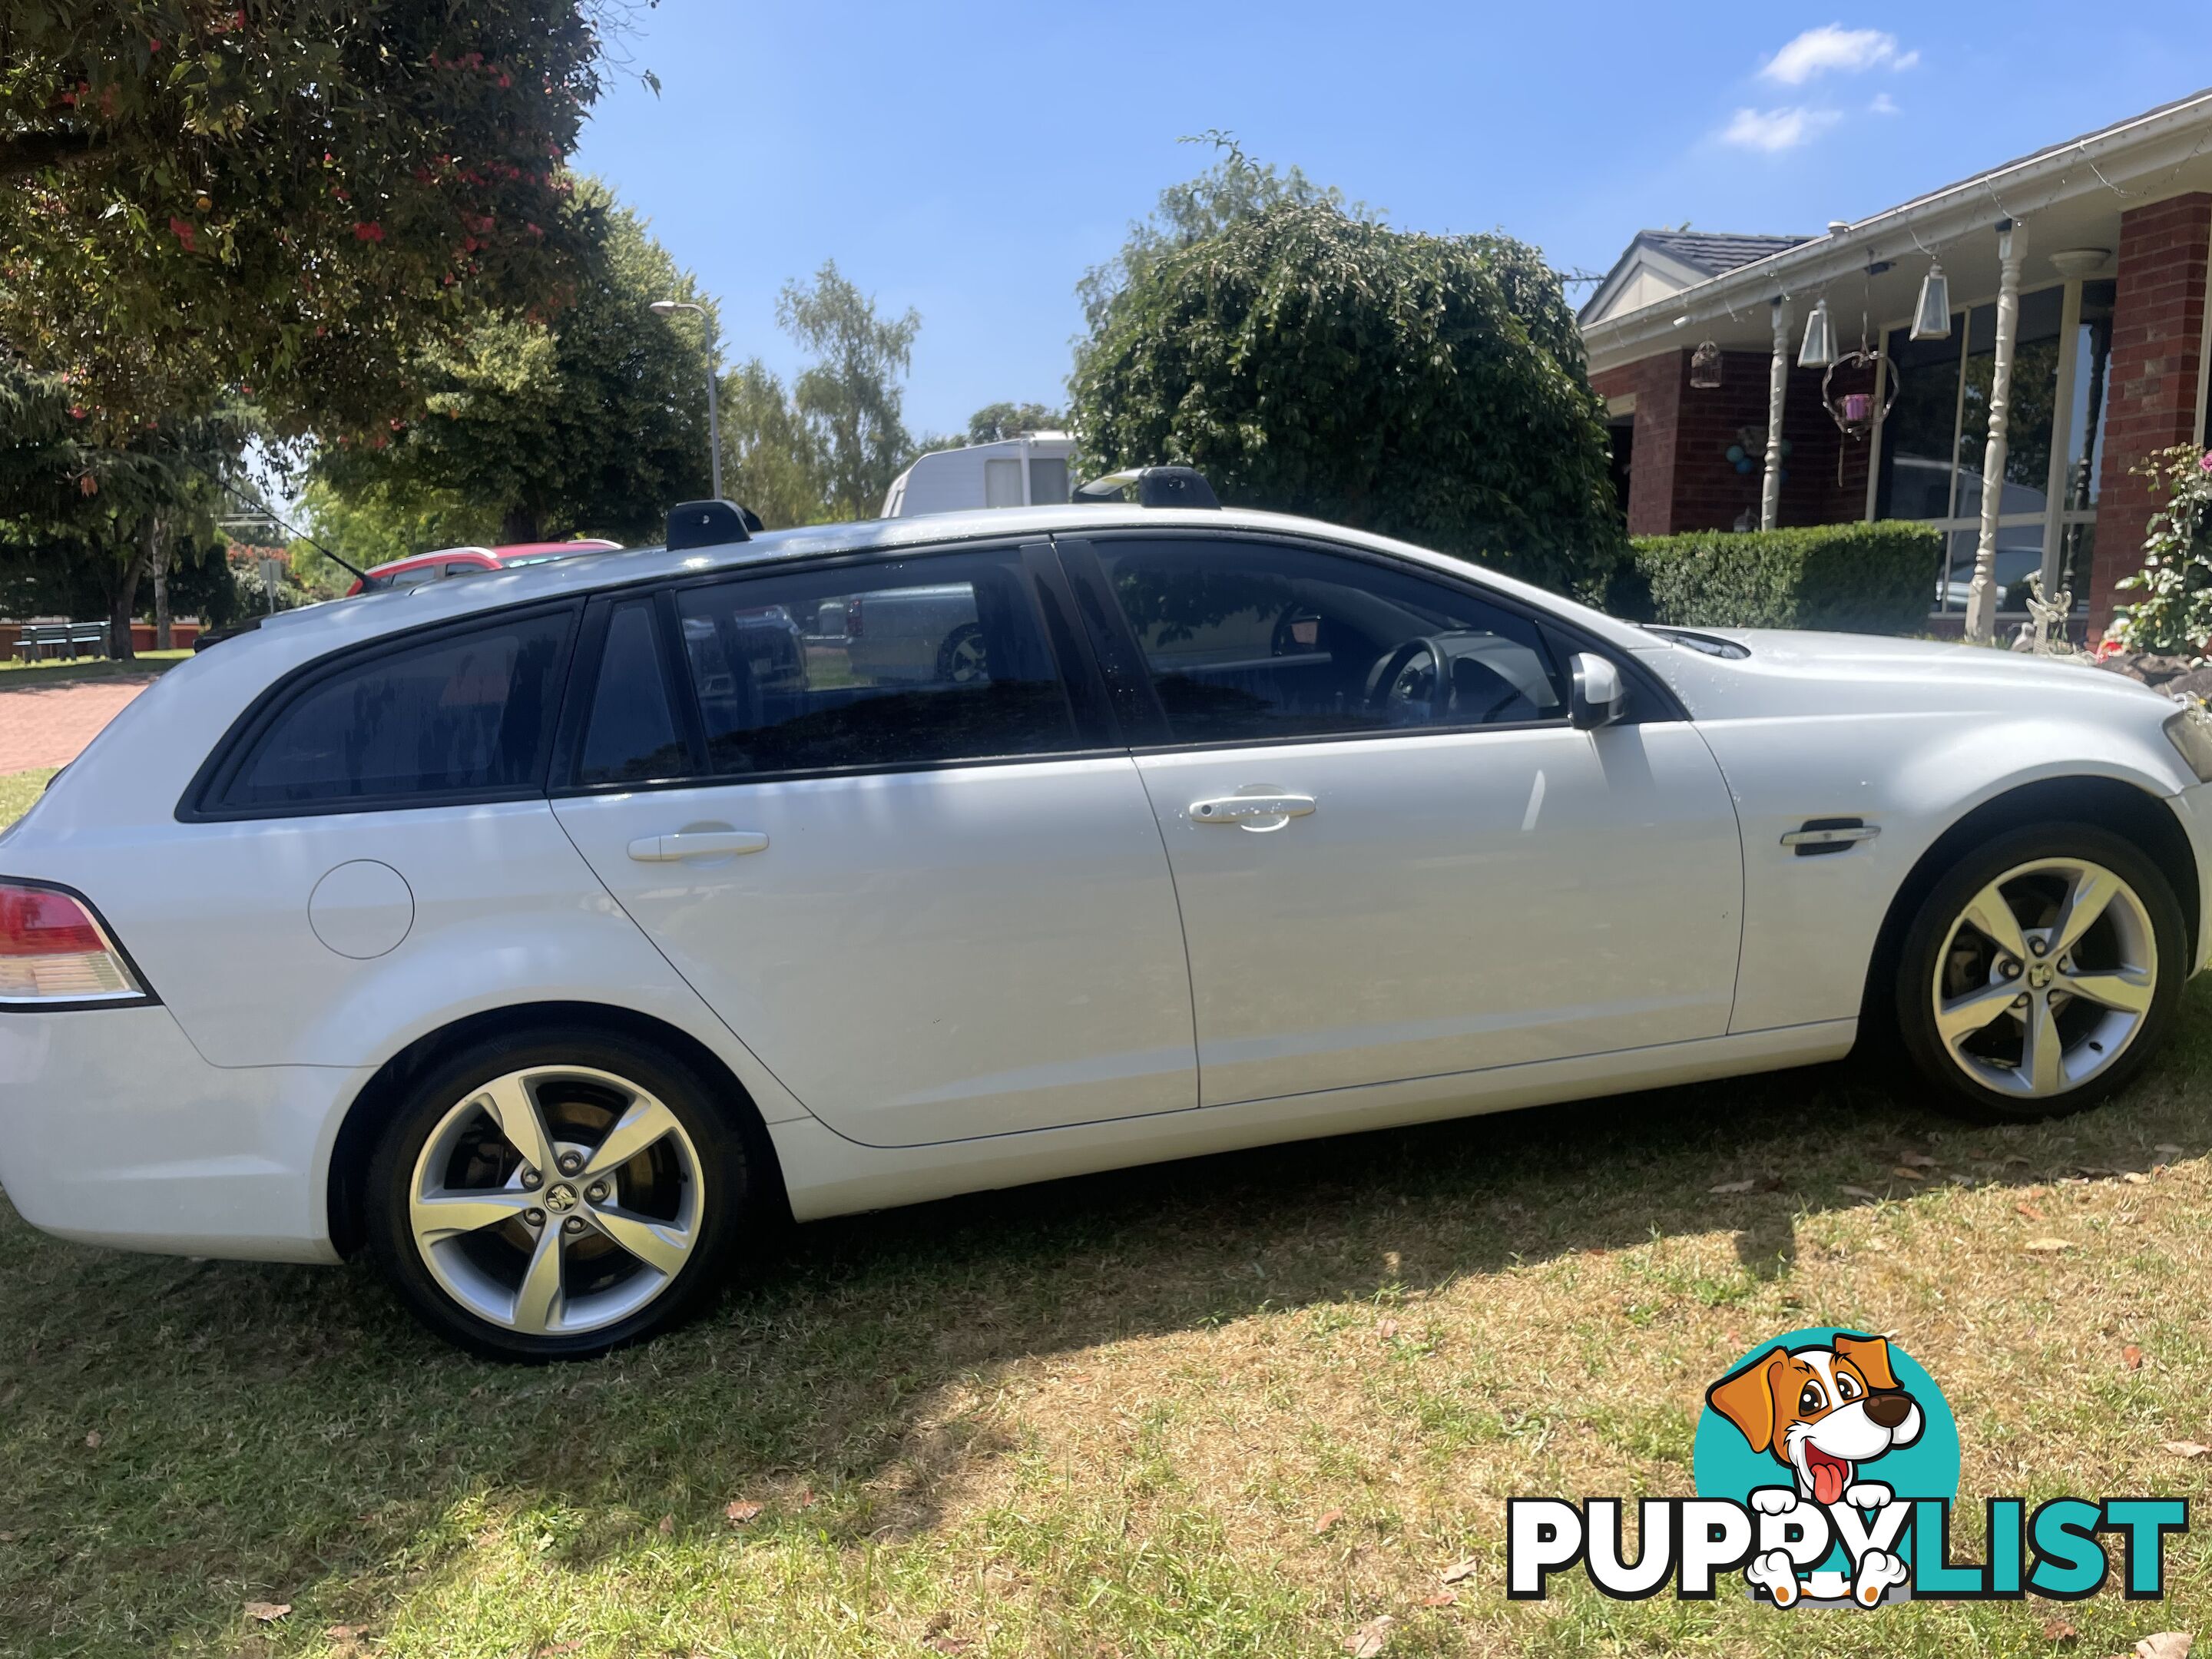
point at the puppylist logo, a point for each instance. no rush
(1826, 1464)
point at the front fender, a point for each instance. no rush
(1811, 924)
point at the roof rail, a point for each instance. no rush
(709, 524)
(1157, 486)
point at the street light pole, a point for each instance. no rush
(667, 308)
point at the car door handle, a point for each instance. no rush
(1250, 811)
(696, 843)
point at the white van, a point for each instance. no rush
(1031, 471)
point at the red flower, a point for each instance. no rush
(368, 230)
(182, 231)
(76, 411)
(154, 45)
(532, 228)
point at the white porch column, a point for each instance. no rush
(1777, 387)
(1982, 591)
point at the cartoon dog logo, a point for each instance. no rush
(1824, 1413)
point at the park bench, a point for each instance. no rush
(38, 640)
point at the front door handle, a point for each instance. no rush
(1251, 812)
(694, 844)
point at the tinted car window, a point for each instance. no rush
(882, 665)
(465, 711)
(1246, 641)
(632, 735)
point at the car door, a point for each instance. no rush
(1397, 857)
(871, 816)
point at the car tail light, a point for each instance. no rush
(53, 950)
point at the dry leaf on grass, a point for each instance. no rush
(947, 1643)
(574, 1644)
(1370, 1638)
(741, 1512)
(1733, 1186)
(1858, 1192)
(1327, 1521)
(2167, 1148)
(2056, 1629)
(345, 1632)
(2137, 1178)
(93, 1440)
(1909, 1174)
(1917, 1160)
(1443, 1598)
(1459, 1570)
(2047, 1246)
(2030, 1212)
(2184, 1448)
(2131, 1357)
(1386, 1328)
(267, 1613)
(2166, 1644)
(668, 1525)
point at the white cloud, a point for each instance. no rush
(1777, 130)
(1832, 46)
(1883, 105)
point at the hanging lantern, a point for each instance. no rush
(1819, 348)
(1705, 365)
(1931, 318)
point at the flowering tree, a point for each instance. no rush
(2174, 614)
(288, 196)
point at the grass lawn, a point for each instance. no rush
(1243, 1406)
(18, 790)
(14, 676)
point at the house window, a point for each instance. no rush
(1934, 439)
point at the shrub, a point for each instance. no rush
(2174, 614)
(1857, 578)
(1431, 387)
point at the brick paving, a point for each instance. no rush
(49, 725)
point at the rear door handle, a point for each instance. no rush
(1251, 812)
(696, 843)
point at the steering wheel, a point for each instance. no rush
(1393, 685)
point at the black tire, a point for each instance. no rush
(727, 1194)
(1948, 1083)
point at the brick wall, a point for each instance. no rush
(1681, 477)
(2158, 326)
(1658, 385)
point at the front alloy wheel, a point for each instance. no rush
(554, 1200)
(2040, 971)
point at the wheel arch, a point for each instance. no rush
(370, 1108)
(2108, 803)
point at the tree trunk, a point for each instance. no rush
(125, 598)
(159, 565)
(518, 524)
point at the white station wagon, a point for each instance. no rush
(542, 933)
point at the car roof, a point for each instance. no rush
(371, 614)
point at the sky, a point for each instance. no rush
(972, 161)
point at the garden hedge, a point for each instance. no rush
(1856, 578)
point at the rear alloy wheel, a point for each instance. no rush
(2040, 972)
(554, 1200)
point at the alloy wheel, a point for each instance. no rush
(2046, 977)
(557, 1201)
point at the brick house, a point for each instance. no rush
(2098, 247)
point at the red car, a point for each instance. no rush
(422, 568)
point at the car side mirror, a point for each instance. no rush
(1600, 698)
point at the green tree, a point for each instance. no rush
(1426, 386)
(289, 196)
(78, 515)
(994, 421)
(1233, 189)
(769, 459)
(851, 399)
(593, 422)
